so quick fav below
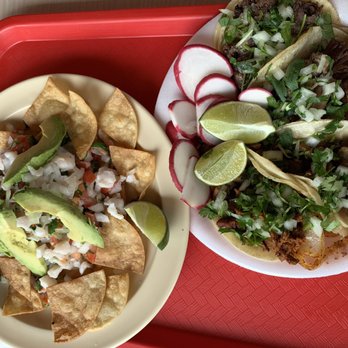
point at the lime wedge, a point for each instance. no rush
(222, 164)
(151, 221)
(246, 122)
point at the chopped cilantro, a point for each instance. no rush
(329, 129)
(285, 30)
(286, 139)
(100, 144)
(325, 22)
(320, 158)
(279, 87)
(292, 74)
(52, 226)
(224, 20)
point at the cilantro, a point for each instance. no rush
(246, 67)
(329, 225)
(286, 139)
(52, 226)
(37, 285)
(304, 19)
(100, 144)
(209, 212)
(285, 31)
(325, 22)
(230, 34)
(320, 158)
(292, 74)
(272, 102)
(224, 20)
(279, 87)
(329, 129)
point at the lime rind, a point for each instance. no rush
(246, 122)
(151, 221)
(222, 164)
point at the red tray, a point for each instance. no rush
(214, 303)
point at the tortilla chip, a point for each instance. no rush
(75, 305)
(119, 121)
(51, 101)
(117, 288)
(144, 166)
(17, 275)
(4, 137)
(123, 250)
(81, 124)
(16, 304)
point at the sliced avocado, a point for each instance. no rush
(15, 242)
(53, 132)
(37, 200)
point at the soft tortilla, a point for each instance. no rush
(75, 305)
(300, 49)
(119, 121)
(124, 249)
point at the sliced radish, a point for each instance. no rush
(203, 104)
(179, 156)
(255, 95)
(216, 84)
(172, 132)
(206, 137)
(195, 193)
(194, 62)
(183, 115)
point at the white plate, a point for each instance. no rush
(204, 229)
(148, 292)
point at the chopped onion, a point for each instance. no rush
(46, 281)
(342, 170)
(339, 93)
(278, 73)
(344, 203)
(290, 224)
(316, 225)
(307, 69)
(318, 113)
(285, 11)
(246, 37)
(329, 88)
(105, 177)
(113, 212)
(277, 38)
(84, 265)
(100, 217)
(323, 61)
(312, 141)
(226, 12)
(270, 50)
(97, 208)
(245, 184)
(261, 36)
(54, 271)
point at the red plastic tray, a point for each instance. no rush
(214, 303)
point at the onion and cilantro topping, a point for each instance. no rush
(255, 32)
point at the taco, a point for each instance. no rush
(253, 34)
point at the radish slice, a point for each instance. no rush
(216, 84)
(183, 115)
(194, 62)
(172, 132)
(202, 106)
(255, 95)
(179, 156)
(195, 193)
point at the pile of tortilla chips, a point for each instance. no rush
(90, 301)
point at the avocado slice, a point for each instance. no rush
(37, 200)
(53, 132)
(14, 241)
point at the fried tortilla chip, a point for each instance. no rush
(119, 121)
(124, 249)
(81, 124)
(117, 288)
(4, 139)
(75, 305)
(51, 101)
(142, 163)
(16, 304)
(17, 275)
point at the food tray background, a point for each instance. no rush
(215, 303)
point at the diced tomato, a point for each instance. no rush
(90, 257)
(21, 142)
(87, 201)
(43, 296)
(105, 191)
(93, 248)
(53, 240)
(89, 177)
(91, 216)
(82, 164)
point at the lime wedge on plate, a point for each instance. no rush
(151, 221)
(222, 164)
(246, 122)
